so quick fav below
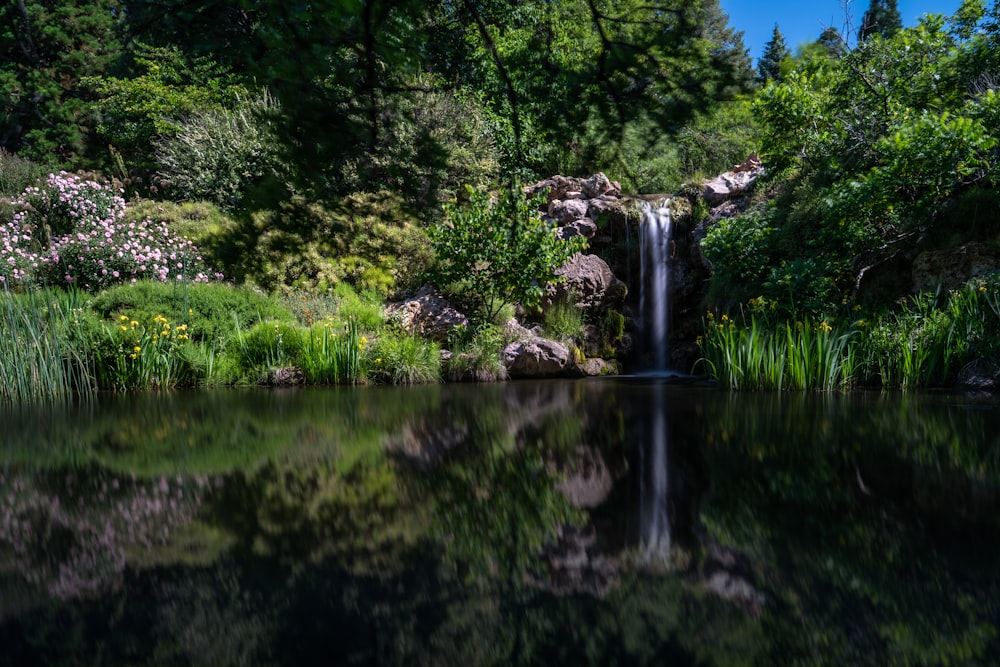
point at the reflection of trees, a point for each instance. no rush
(68, 532)
(831, 494)
(490, 468)
(209, 431)
(209, 617)
(360, 518)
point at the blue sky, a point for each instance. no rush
(802, 21)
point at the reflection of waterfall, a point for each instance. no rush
(654, 306)
(654, 508)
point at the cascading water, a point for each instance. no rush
(654, 304)
(654, 509)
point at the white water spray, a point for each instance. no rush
(654, 306)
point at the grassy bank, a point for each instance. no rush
(926, 340)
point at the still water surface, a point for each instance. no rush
(597, 522)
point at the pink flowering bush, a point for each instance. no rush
(72, 231)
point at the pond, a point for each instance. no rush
(594, 522)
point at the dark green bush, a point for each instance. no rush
(211, 311)
(370, 241)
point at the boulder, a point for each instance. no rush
(597, 185)
(584, 227)
(952, 268)
(427, 313)
(597, 367)
(979, 375)
(729, 185)
(555, 187)
(567, 210)
(536, 357)
(591, 281)
(604, 204)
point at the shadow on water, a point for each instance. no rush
(632, 521)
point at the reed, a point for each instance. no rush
(405, 359)
(331, 355)
(759, 355)
(38, 362)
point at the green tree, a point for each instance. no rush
(162, 88)
(499, 253)
(775, 51)
(550, 86)
(46, 48)
(882, 18)
(882, 143)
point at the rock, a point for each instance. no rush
(952, 268)
(427, 313)
(591, 281)
(513, 329)
(536, 357)
(584, 227)
(286, 377)
(729, 185)
(604, 204)
(555, 187)
(567, 210)
(981, 375)
(596, 185)
(597, 367)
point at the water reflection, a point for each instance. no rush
(588, 522)
(654, 472)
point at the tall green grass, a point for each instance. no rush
(405, 359)
(38, 362)
(931, 336)
(794, 356)
(333, 355)
(923, 341)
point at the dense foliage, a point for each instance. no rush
(499, 253)
(874, 155)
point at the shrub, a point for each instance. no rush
(211, 311)
(404, 359)
(219, 154)
(370, 241)
(201, 222)
(17, 173)
(499, 253)
(72, 231)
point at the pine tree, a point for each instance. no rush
(882, 18)
(775, 51)
(832, 43)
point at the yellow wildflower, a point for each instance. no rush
(137, 348)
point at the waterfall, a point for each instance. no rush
(654, 508)
(654, 272)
